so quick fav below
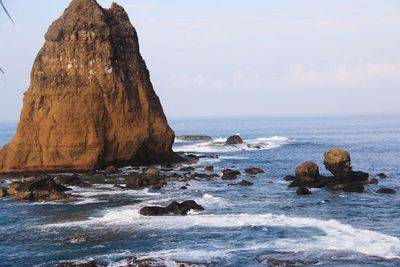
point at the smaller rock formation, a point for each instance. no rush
(174, 208)
(152, 172)
(110, 170)
(381, 175)
(307, 172)
(41, 188)
(229, 174)
(194, 138)
(302, 191)
(3, 192)
(254, 171)
(234, 140)
(386, 191)
(71, 264)
(338, 162)
(138, 181)
(242, 183)
(209, 168)
(69, 180)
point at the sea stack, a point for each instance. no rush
(90, 103)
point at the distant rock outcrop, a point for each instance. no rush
(90, 103)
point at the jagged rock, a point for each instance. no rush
(152, 172)
(348, 187)
(338, 162)
(90, 103)
(386, 191)
(234, 140)
(187, 169)
(373, 181)
(69, 180)
(307, 172)
(229, 174)
(42, 188)
(204, 176)
(174, 208)
(381, 176)
(209, 168)
(242, 183)
(137, 181)
(254, 171)
(289, 178)
(302, 191)
(71, 264)
(111, 170)
(194, 138)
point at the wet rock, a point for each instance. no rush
(183, 188)
(307, 172)
(42, 188)
(187, 169)
(71, 264)
(373, 181)
(289, 178)
(204, 176)
(152, 172)
(242, 183)
(354, 188)
(381, 176)
(229, 174)
(234, 140)
(138, 181)
(254, 171)
(175, 208)
(338, 162)
(194, 138)
(69, 180)
(320, 182)
(209, 168)
(289, 263)
(302, 191)
(3, 192)
(111, 170)
(386, 191)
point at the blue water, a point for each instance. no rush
(239, 225)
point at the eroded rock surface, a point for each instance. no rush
(90, 103)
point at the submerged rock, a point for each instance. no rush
(229, 174)
(381, 175)
(386, 191)
(194, 138)
(137, 181)
(254, 171)
(111, 170)
(90, 103)
(85, 264)
(234, 140)
(302, 191)
(175, 208)
(242, 183)
(209, 168)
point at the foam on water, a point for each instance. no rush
(218, 145)
(337, 236)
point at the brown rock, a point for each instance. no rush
(3, 192)
(302, 191)
(90, 103)
(152, 172)
(229, 174)
(137, 181)
(243, 183)
(111, 170)
(254, 171)
(209, 168)
(234, 140)
(386, 191)
(70, 264)
(307, 172)
(338, 162)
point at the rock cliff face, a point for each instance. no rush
(90, 102)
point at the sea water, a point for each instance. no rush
(241, 226)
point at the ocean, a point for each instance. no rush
(240, 226)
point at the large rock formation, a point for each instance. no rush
(90, 103)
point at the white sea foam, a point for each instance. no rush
(337, 236)
(218, 145)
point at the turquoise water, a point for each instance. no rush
(239, 226)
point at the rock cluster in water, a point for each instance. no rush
(90, 103)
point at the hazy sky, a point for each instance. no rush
(239, 57)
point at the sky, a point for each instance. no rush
(239, 58)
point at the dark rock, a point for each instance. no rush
(242, 183)
(3, 192)
(204, 176)
(374, 181)
(229, 174)
(194, 138)
(174, 208)
(184, 188)
(289, 178)
(338, 162)
(289, 263)
(137, 181)
(307, 172)
(42, 188)
(111, 170)
(69, 180)
(234, 140)
(320, 181)
(70, 264)
(354, 187)
(187, 169)
(381, 176)
(209, 168)
(254, 171)
(302, 191)
(152, 172)
(386, 191)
